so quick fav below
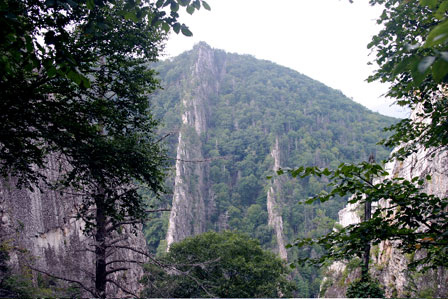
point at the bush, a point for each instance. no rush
(364, 289)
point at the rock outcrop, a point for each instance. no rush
(274, 205)
(389, 265)
(41, 228)
(192, 201)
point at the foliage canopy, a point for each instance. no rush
(224, 265)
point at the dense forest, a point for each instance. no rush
(259, 104)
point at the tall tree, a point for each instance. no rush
(74, 82)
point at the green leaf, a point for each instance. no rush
(176, 28)
(425, 63)
(85, 82)
(183, 2)
(190, 9)
(74, 76)
(444, 56)
(159, 3)
(51, 71)
(430, 3)
(417, 76)
(205, 5)
(439, 70)
(196, 4)
(131, 16)
(440, 13)
(186, 31)
(174, 6)
(438, 35)
(166, 27)
(90, 4)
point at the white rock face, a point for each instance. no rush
(349, 215)
(274, 206)
(391, 264)
(192, 201)
(388, 264)
(42, 227)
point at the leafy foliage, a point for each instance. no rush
(365, 289)
(412, 54)
(408, 209)
(223, 265)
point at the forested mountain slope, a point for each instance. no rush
(232, 121)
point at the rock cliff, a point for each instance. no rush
(274, 205)
(192, 201)
(41, 228)
(389, 265)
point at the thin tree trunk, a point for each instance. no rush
(100, 250)
(367, 217)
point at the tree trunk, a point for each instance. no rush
(100, 250)
(367, 217)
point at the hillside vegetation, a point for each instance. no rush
(260, 105)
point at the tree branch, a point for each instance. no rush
(122, 288)
(64, 279)
(116, 270)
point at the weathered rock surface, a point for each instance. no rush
(192, 200)
(274, 205)
(389, 265)
(42, 229)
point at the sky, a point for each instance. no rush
(323, 39)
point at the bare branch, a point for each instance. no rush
(158, 210)
(125, 261)
(122, 288)
(165, 136)
(113, 242)
(203, 160)
(142, 253)
(64, 279)
(116, 225)
(116, 270)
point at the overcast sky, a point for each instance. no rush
(323, 39)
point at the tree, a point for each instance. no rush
(412, 56)
(74, 84)
(221, 265)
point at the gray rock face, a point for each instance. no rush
(192, 200)
(274, 204)
(389, 265)
(43, 229)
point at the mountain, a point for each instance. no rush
(231, 121)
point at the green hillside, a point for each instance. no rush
(259, 104)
